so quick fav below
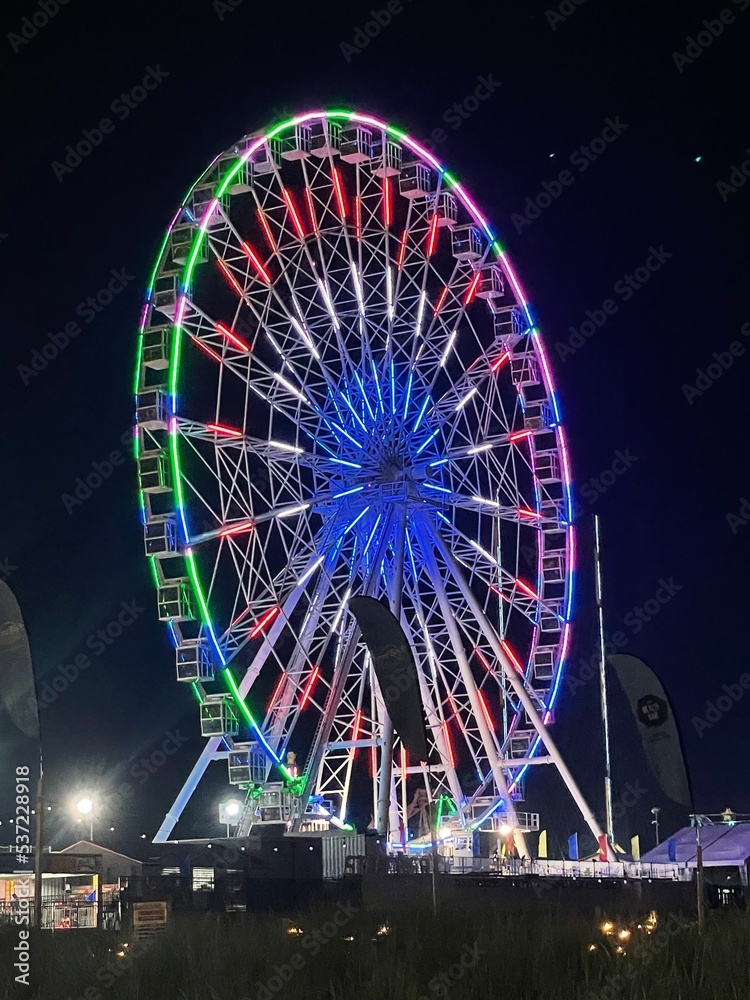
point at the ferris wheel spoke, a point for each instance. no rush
(445, 673)
(478, 707)
(319, 284)
(276, 315)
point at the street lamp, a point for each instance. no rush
(655, 810)
(84, 808)
(229, 813)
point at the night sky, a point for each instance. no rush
(667, 188)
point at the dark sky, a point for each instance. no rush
(225, 72)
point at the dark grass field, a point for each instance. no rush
(345, 954)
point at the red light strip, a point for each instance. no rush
(511, 656)
(339, 189)
(267, 618)
(224, 431)
(526, 589)
(308, 688)
(267, 230)
(276, 691)
(287, 196)
(486, 710)
(519, 436)
(206, 349)
(230, 278)
(432, 235)
(449, 745)
(387, 202)
(497, 365)
(232, 337)
(358, 218)
(311, 211)
(483, 660)
(256, 262)
(402, 249)
(356, 726)
(236, 529)
(525, 512)
(472, 289)
(404, 761)
(239, 617)
(441, 300)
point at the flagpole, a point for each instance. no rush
(38, 842)
(608, 817)
(699, 877)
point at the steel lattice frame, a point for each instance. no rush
(351, 396)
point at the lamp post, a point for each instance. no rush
(655, 810)
(84, 807)
(229, 813)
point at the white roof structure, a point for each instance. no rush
(724, 844)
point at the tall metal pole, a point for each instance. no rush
(38, 849)
(699, 877)
(603, 687)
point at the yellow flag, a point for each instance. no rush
(542, 848)
(635, 848)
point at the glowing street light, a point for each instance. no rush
(229, 813)
(84, 808)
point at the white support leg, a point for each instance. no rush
(470, 684)
(516, 681)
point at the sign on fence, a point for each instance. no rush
(149, 919)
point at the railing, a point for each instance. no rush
(57, 914)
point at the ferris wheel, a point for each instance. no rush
(341, 391)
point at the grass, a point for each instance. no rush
(365, 956)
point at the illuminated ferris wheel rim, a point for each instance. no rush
(202, 224)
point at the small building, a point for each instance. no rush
(113, 865)
(80, 886)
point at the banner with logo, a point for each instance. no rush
(656, 725)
